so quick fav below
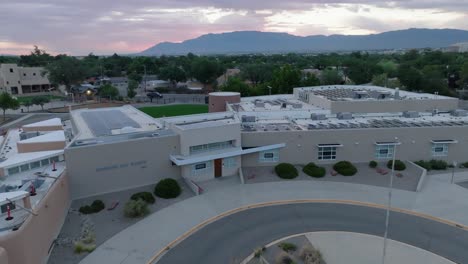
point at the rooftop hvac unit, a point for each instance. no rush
(259, 104)
(344, 115)
(360, 94)
(410, 114)
(297, 105)
(315, 116)
(248, 119)
(459, 112)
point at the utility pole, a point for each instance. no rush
(144, 67)
(389, 204)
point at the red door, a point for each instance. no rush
(218, 167)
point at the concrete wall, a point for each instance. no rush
(111, 167)
(208, 174)
(40, 146)
(358, 144)
(382, 106)
(217, 103)
(31, 243)
(319, 101)
(43, 128)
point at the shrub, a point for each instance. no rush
(286, 171)
(81, 247)
(313, 170)
(145, 196)
(373, 164)
(283, 258)
(136, 208)
(425, 164)
(464, 165)
(167, 188)
(259, 251)
(438, 164)
(95, 207)
(399, 165)
(311, 255)
(345, 168)
(288, 247)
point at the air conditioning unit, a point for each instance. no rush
(344, 115)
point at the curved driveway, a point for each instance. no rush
(233, 238)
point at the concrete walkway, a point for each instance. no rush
(138, 243)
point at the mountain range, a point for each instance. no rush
(271, 42)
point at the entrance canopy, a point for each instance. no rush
(180, 160)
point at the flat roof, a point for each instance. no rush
(268, 103)
(201, 120)
(49, 122)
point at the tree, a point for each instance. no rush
(310, 79)
(36, 58)
(235, 84)
(206, 70)
(463, 82)
(65, 70)
(172, 73)
(27, 103)
(40, 100)
(285, 79)
(132, 86)
(330, 77)
(8, 102)
(135, 76)
(108, 90)
(257, 73)
(384, 81)
(410, 77)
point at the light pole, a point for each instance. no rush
(269, 89)
(389, 204)
(454, 164)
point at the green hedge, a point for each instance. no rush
(95, 207)
(145, 196)
(464, 165)
(433, 164)
(399, 165)
(167, 188)
(313, 170)
(345, 168)
(373, 164)
(286, 171)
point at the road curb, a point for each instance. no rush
(194, 229)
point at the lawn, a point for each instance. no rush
(175, 110)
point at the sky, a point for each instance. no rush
(79, 27)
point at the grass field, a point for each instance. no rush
(175, 110)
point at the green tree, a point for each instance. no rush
(257, 73)
(206, 70)
(109, 91)
(330, 77)
(172, 73)
(40, 100)
(135, 76)
(132, 86)
(65, 70)
(384, 81)
(388, 66)
(27, 103)
(310, 79)
(410, 77)
(8, 102)
(285, 79)
(463, 82)
(36, 58)
(235, 84)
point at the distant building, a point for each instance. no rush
(459, 47)
(221, 80)
(22, 80)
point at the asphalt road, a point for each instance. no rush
(233, 238)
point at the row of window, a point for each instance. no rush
(203, 167)
(32, 165)
(211, 146)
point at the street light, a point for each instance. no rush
(389, 204)
(269, 89)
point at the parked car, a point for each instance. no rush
(152, 95)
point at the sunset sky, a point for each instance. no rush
(79, 27)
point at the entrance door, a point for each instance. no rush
(218, 167)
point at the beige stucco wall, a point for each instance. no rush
(208, 174)
(43, 128)
(358, 144)
(31, 243)
(217, 103)
(40, 146)
(104, 168)
(382, 106)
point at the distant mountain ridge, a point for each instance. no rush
(270, 42)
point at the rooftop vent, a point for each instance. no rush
(410, 114)
(297, 105)
(315, 116)
(360, 94)
(459, 112)
(259, 104)
(397, 94)
(344, 115)
(383, 94)
(248, 119)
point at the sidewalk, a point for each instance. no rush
(138, 243)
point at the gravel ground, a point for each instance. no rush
(365, 175)
(105, 224)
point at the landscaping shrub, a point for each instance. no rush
(464, 165)
(345, 168)
(167, 188)
(81, 247)
(136, 208)
(373, 164)
(288, 247)
(286, 171)
(313, 170)
(438, 164)
(399, 165)
(311, 255)
(95, 207)
(425, 164)
(145, 196)
(283, 258)
(259, 252)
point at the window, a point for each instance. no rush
(44, 162)
(35, 164)
(269, 156)
(384, 151)
(326, 153)
(13, 170)
(34, 74)
(201, 168)
(24, 74)
(229, 162)
(211, 146)
(56, 159)
(24, 167)
(439, 149)
(11, 69)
